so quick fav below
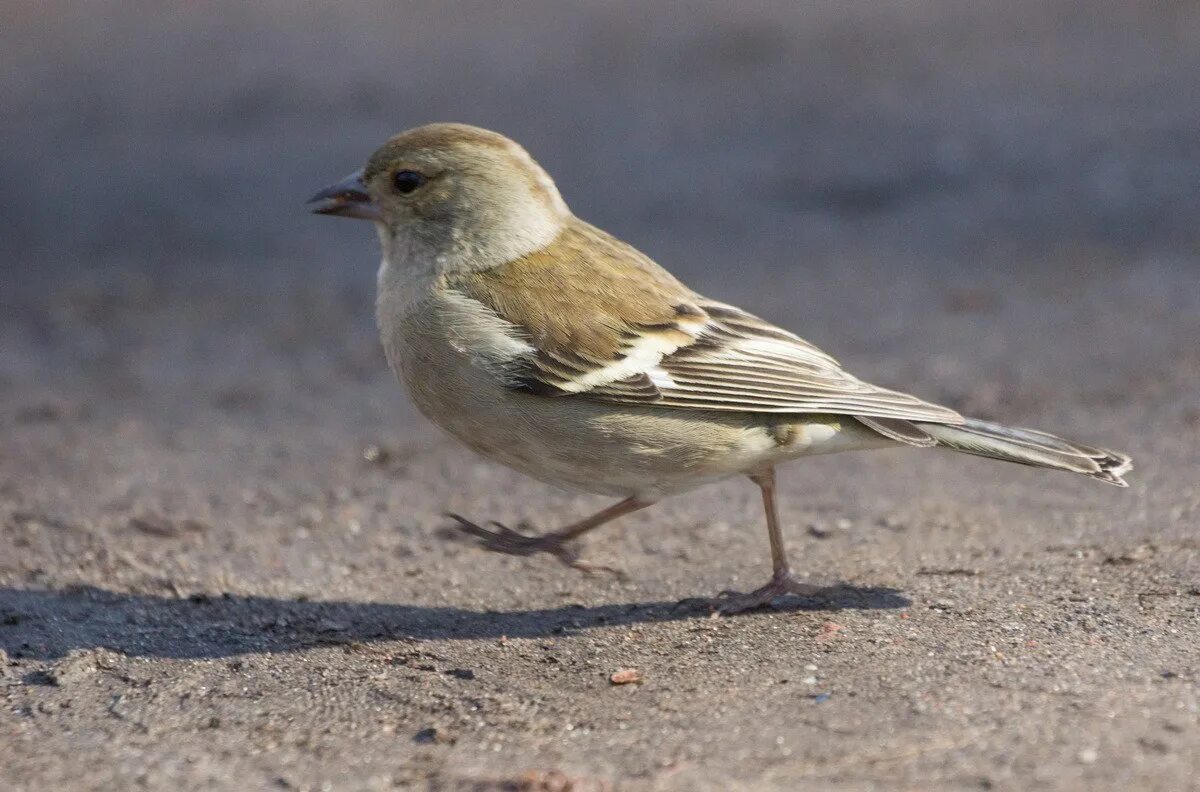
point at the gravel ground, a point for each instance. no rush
(223, 563)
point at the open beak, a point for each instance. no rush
(347, 198)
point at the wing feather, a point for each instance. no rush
(757, 367)
(593, 318)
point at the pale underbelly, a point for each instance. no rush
(576, 443)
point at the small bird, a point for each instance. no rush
(548, 345)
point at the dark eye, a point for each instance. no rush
(406, 181)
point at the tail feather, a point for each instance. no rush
(1029, 447)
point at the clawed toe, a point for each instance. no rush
(781, 584)
(598, 569)
(505, 540)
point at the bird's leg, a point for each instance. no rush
(505, 540)
(782, 581)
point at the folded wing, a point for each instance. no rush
(598, 320)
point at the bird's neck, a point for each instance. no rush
(410, 257)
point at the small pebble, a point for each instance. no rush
(376, 455)
(433, 734)
(626, 676)
(824, 531)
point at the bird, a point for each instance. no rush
(548, 345)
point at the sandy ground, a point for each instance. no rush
(223, 563)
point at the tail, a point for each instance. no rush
(1027, 447)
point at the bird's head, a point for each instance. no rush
(469, 197)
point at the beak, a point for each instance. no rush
(347, 198)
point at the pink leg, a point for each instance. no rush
(782, 582)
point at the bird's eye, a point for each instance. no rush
(406, 181)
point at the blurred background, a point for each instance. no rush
(173, 131)
(993, 205)
(935, 147)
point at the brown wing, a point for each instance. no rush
(603, 321)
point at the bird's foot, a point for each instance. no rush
(505, 540)
(782, 583)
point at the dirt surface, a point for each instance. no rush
(222, 556)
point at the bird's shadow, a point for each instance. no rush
(46, 624)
